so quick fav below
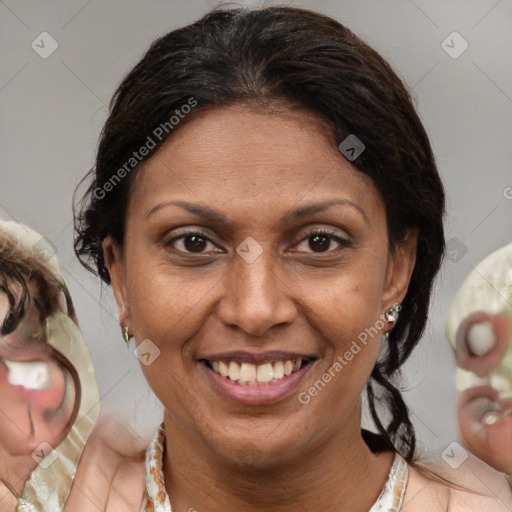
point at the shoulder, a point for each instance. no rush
(434, 486)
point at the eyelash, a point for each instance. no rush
(321, 231)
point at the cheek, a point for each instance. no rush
(168, 309)
(167, 305)
(348, 316)
(347, 306)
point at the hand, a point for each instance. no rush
(111, 472)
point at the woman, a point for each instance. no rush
(266, 205)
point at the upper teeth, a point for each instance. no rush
(256, 374)
(33, 375)
(481, 338)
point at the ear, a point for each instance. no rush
(400, 267)
(114, 261)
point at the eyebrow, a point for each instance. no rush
(293, 216)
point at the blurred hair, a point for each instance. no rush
(18, 266)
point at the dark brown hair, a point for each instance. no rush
(18, 265)
(302, 58)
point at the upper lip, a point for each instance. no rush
(243, 356)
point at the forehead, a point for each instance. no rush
(236, 154)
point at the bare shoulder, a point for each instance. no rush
(473, 486)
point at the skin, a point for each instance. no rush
(491, 443)
(111, 473)
(254, 168)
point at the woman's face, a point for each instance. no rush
(222, 270)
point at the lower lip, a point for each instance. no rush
(264, 394)
(469, 404)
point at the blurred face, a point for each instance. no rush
(37, 392)
(255, 262)
(483, 351)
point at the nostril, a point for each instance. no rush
(481, 338)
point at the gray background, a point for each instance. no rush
(52, 110)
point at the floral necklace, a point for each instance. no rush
(157, 500)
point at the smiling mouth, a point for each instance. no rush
(248, 374)
(495, 416)
(482, 406)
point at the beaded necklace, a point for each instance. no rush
(157, 500)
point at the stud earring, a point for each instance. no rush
(391, 316)
(126, 336)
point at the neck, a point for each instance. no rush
(333, 475)
(14, 472)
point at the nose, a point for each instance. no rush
(256, 297)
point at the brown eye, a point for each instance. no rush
(319, 243)
(194, 243)
(190, 242)
(322, 241)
